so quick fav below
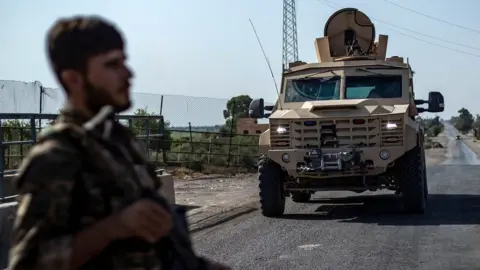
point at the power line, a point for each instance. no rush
(426, 35)
(331, 5)
(431, 17)
(416, 32)
(435, 44)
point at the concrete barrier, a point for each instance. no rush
(167, 189)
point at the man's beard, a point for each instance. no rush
(96, 98)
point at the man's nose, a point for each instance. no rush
(129, 73)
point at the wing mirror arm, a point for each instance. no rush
(257, 109)
(435, 103)
(420, 101)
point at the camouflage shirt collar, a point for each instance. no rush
(71, 115)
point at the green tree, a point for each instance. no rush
(140, 127)
(454, 120)
(476, 127)
(476, 123)
(432, 126)
(237, 107)
(464, 122)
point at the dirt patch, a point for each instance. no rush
(208, 172)
(221, 191)
(436, 149)
(214, 186)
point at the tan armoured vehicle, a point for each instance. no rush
(344, 123)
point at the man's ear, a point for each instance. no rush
(72, 79)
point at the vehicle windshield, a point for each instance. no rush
(384, 86)
(301, 90)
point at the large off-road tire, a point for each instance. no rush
(425, 188)
(272, 194)
(301, 197)
(413, 181)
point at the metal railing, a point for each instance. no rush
(167, 147)
(14, 146)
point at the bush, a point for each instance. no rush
(433, 131)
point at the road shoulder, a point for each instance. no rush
(472, 143)
(435, 156)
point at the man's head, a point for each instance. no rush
(87, 55)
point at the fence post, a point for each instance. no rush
(191, 140)
(22, 138)
(161, 105)
(33, 129)
(209, 149)
(147, 136)
(164, 142)
(2, 160)
(232, 117)
(157, 140)
(161, 130)
(41, 108)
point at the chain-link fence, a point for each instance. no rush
(176, 130)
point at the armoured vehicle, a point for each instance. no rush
(344, 123)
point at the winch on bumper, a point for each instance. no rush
(369, 161)
(318, 160)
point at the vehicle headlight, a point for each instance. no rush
(391, 126)
(286, 157)
(384, 154)
(281, 130)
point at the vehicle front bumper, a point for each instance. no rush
(335, 162)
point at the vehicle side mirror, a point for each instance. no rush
(435, 102)
(256, 109)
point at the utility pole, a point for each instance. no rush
(290, 43)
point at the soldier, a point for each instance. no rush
(73, 211)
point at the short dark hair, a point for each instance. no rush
(72, 41)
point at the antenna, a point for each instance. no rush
(268, 63)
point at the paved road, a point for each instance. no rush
(349, 231)
(458, 152)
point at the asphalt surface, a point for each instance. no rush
(342, 230)
(459, 153)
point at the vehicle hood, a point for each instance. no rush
(340, 108)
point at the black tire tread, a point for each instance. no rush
(272, 198)
(413, 181)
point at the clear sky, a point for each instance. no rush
(208, 48)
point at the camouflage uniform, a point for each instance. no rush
(63, 190)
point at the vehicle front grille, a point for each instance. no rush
(334, 133)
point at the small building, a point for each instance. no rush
(248, 126)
